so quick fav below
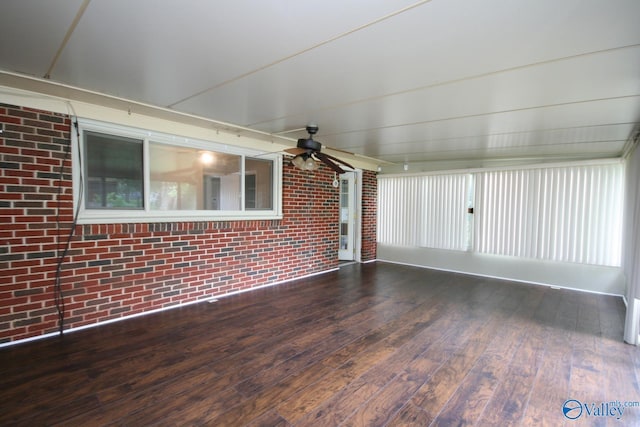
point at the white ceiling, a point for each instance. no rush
(401, 81)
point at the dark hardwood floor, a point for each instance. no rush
(369, 345)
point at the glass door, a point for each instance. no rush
(346, 250)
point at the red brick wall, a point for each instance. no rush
(32, 149)
(116, 270)
(369, 215)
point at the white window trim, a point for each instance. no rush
(98, 216)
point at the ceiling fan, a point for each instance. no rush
(307, 153)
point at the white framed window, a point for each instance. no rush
(132, 175)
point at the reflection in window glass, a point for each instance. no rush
(113, 171)
(183, 178)
(258, 184)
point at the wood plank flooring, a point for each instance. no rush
(369, 345)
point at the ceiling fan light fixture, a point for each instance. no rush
(298, 162)
(309, 154)
(305, 162)
(310, 164)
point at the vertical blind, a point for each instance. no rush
(569, 214)
(427, 211)
(399, 211)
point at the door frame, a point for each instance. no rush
(357, 216)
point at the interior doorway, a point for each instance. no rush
(349, 238)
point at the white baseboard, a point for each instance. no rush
(205, 298)
(528, 282)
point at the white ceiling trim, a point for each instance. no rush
(43, 94)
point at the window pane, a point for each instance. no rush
(185, 178)
(113, 171)
(258, 183)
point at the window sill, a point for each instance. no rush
(128, 216)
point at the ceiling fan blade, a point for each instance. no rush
(295, 151)
(326, 159)
(335, 159)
